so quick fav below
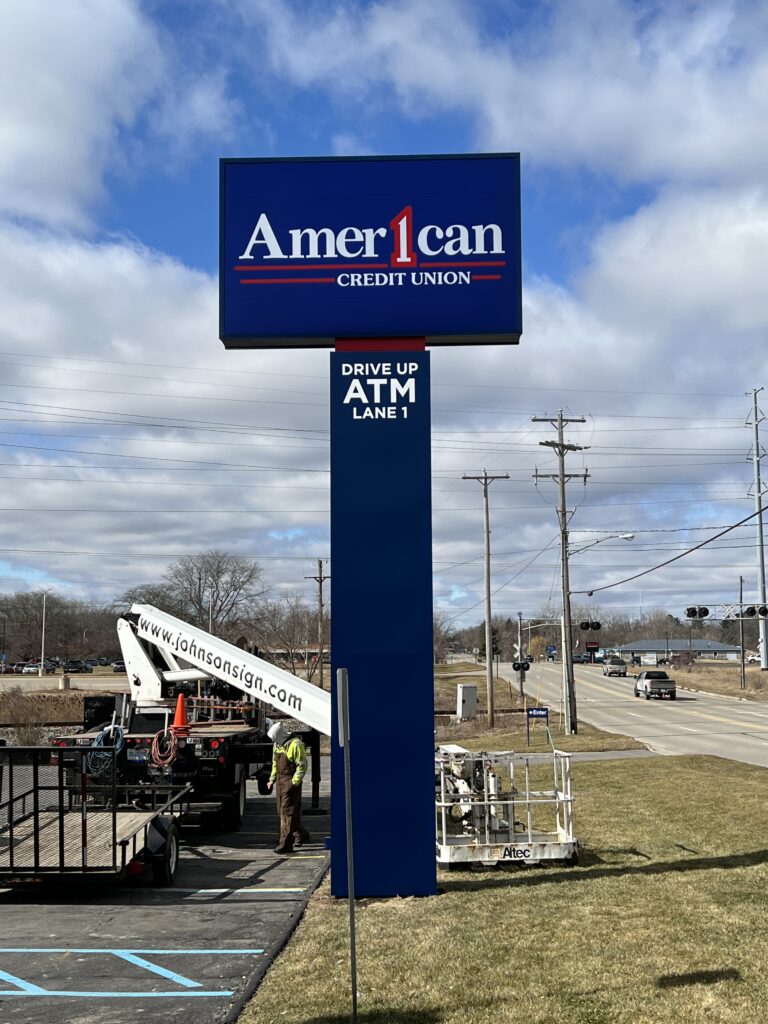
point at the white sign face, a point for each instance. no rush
(380, 390)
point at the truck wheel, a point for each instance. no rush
(637, 692)
(672, 696)
(234, 808)
(647, 696)
(164, 868)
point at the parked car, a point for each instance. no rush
(92, 662)
(103, 662)
(118, 666)
(614, 667)
(655, 684)
(580, 659)
(73, 665)
(753, 659)
(30, 669)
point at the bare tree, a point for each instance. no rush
(159, 595)
(442, 634)
(216, 589)
(287, 628)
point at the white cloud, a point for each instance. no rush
(347, 144)
(688, 262)
(76, 80)
(71, 76)
(640, 91)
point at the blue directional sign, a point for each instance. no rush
(317, 249)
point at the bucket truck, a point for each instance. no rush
(197, 713)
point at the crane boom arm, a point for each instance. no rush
(254, 676)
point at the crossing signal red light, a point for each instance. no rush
(595, 626)
(696, 613)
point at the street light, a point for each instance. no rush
(612, 536)
(41, 670)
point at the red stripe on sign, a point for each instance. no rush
(380, 344)
(289, 280)
(324, 266)
(486, 277)
(468, 263)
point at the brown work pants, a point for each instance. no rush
(289, 809)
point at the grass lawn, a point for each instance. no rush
(510, 733)
(506, 738)
(723, 678)
(448, 677)
(664, 920)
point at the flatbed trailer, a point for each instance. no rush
(64, 813)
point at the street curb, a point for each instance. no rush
(725, 696)
(237, 1005)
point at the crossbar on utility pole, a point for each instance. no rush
(485, 480)
(561, 447)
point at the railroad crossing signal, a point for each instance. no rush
(589, 625)
(729, 612)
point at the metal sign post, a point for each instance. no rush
(342, 690)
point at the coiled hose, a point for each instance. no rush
(98, 761)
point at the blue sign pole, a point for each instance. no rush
(381, 591)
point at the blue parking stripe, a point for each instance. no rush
(131, 958)
(26, 987)
(41, 992)
(154, 952)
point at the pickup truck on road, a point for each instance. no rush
(655, 684)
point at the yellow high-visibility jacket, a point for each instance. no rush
(296, 752)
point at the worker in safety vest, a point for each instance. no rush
(289, 765)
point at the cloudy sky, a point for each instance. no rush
(130, 437)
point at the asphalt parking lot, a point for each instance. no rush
(103, 954)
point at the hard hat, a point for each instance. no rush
(278, 733)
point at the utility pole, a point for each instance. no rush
(561, 447)
(758, 489)
(521, 673)
(743, 674)
(485, 480)
(41, 670)
(319, 579)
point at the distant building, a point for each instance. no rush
(698, 646)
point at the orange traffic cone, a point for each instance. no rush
(180, 724)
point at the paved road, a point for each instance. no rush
(695, 723)
(106, 954)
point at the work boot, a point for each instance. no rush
(283, 849)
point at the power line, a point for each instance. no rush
(618, 583)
